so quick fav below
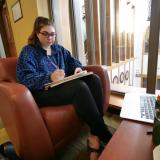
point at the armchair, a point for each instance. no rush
(38, 133)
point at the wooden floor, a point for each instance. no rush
(3, 134)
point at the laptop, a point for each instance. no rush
(139, 107)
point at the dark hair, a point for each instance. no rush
(39, 23)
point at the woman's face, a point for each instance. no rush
(46, 36)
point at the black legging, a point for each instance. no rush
(86, 95)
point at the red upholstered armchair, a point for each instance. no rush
(38, 134)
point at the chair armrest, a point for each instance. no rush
(102, 72)
(23, 121)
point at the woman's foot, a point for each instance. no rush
(94, 156)
(93, 144)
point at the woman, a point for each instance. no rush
(42, 61)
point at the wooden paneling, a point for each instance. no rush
(117, 40)
(128, 53)
(90, 31)
(73, 29)
(123, 45)
(132, 45)
(109, 39)
(96, 31)
(153, 46)
(105, 32)
(7, 34)
(92, 28)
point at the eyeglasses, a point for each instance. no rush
(46, 34)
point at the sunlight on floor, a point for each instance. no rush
(112, 120)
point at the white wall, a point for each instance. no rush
(42, 8)
(141, 10)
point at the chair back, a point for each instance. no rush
(8, 69)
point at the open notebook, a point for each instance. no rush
(138, 106)
(69, 78)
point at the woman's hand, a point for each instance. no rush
(57, 75)
(77, 70)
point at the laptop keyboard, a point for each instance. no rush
(147, 104)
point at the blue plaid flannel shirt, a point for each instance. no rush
(34, 67)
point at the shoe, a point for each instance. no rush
(94, 152)
(8, 151)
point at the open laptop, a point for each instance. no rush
(138, 106)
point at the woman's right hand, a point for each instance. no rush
(57, 75)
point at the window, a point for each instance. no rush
(114, 33)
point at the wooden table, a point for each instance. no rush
(130, 142)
